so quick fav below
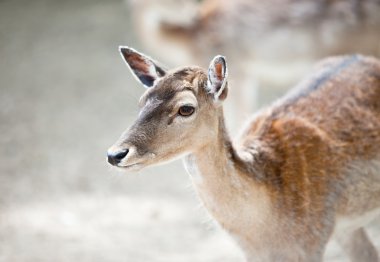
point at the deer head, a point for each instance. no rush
(179, 112)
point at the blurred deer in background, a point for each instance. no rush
(269, 44)
(304, 170)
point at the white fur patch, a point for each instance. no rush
(192, 168)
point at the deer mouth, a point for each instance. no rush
(132, 167)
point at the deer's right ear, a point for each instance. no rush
(217, 78)
(143, 67)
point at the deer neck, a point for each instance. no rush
(214, 169)
(213, 159)
(232, 196)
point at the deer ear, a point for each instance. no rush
(217, 78)
(143, 67)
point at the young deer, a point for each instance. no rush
(304, 170)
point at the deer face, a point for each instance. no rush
(178, 112)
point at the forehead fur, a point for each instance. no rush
(191, 78)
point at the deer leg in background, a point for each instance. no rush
(358, 246)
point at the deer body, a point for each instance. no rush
(304, 170)
(298, 174)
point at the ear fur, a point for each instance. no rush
(217, 78)
(145, 69)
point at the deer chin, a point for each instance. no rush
(132, 167)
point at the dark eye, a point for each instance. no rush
(186, 110)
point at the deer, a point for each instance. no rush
(302, 171)
(270, 44)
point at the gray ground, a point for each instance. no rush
(65, 96)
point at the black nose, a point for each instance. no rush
(114, 158)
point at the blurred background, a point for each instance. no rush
(66, 96)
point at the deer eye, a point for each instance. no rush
(186, 110)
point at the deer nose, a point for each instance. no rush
(115, 158)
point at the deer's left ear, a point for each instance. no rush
(217, 78)
(143, 67)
